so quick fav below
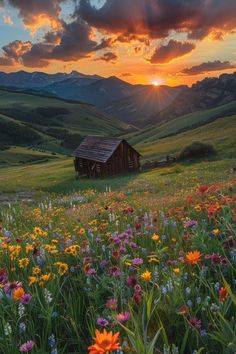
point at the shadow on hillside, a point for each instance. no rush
(73, 185)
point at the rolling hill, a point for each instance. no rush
(51, 123)
(140, 105)
(181, 124)
(221, 133)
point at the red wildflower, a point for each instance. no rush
(203, 188)
(223, 294)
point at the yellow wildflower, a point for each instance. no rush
(215, 232)
(29, 248)
(46, 277)
(38, 231)
(198, 208)
(36, 270)
(32, 280)
(176, 270)
(62, 267)
(155, 237)
(23, 262)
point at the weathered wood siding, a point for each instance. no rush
(124, 158)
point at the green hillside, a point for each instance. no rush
(25, 155)
(183, 123)
(27, 119)
(221, 133)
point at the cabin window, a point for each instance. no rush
(98, 168)
(131, 164)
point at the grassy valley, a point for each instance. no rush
(182, 123)
(28, 120)
(221, 133)
(75, 246)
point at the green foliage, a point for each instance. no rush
(13, 133)
(69, 140)
(197, 150)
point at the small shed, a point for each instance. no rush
(105, 156)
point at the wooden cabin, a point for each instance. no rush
(105, 156)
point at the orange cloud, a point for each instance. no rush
(8, 20)
(174, 49)
(39, 13)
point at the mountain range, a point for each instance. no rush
(140, 105)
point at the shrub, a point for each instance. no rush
(4, 147)
(196, 150)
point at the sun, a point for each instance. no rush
(156, 82)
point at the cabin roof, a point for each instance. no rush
(98, 149)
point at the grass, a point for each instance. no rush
(16, 155)
(186, 122)
(28, 120)
(153, 262)
(221, 133)
(59, 176)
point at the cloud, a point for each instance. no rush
(216, 65)
(71, 43)
(8, 20)
(108, 57)
(157, 18)
(16, 49)
(38, 13)
(5, 61)
(170, 51)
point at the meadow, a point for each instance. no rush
(145, 266)
(141, 263)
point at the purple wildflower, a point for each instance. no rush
(25, 299)
(102, 322)
(27, 346)
(137, 261)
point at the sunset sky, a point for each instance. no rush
(141, 41)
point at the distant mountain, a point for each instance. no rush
(205, 94)
(140, 105)
(96, 91)
(137, 107)
(37, 79)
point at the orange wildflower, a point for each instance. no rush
(146, 276)
(18, 293)
(105, 342)
(193, 257)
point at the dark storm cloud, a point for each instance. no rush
(216, 65)
(170, 51)
(156, 18)
(108, 57)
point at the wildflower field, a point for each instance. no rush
(120, 272)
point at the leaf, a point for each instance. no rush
(153, 342)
